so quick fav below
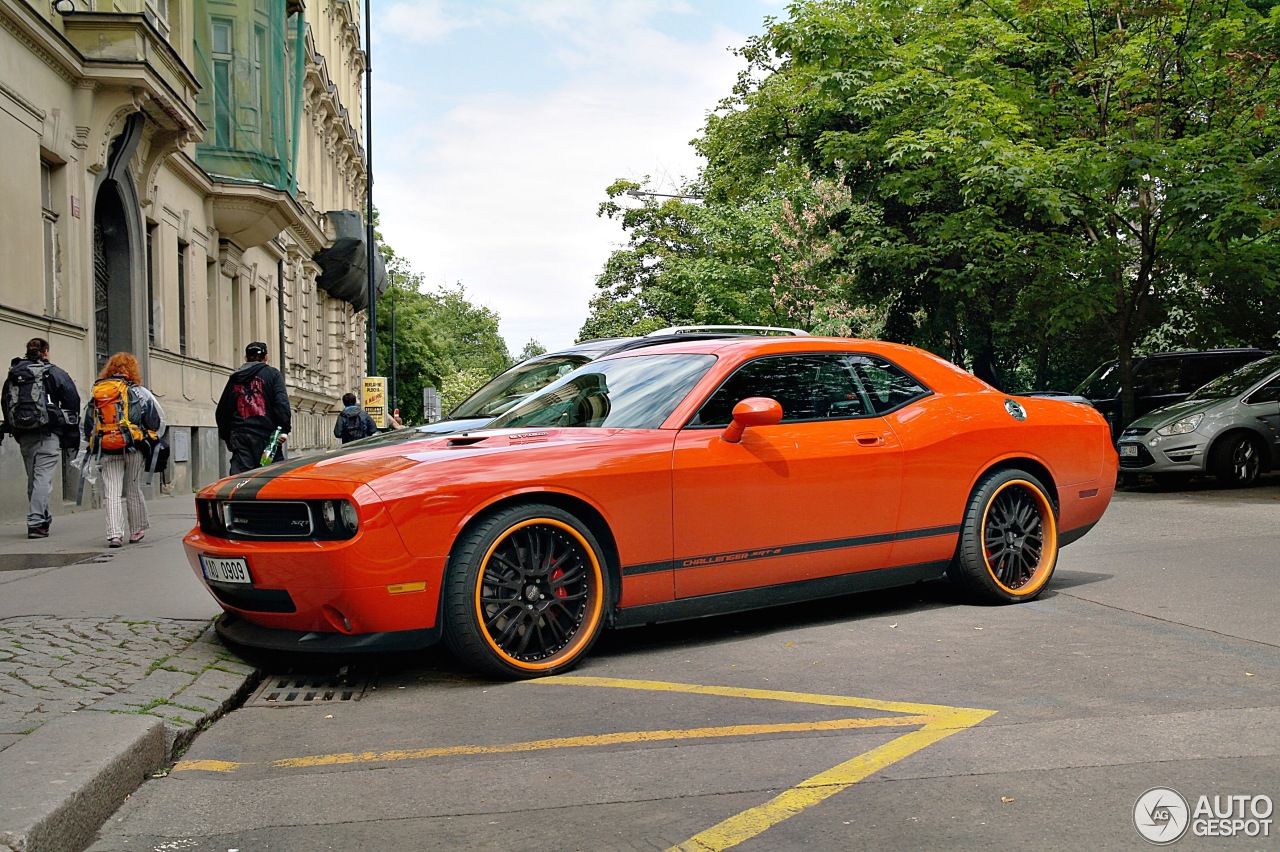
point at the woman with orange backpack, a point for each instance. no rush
(122, 416)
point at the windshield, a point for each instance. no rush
(1103, 383)
(1238, 381)
(506, 389)
(623, 393)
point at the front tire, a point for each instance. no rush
(526, 592)
(1237, 461)
(1008, 540)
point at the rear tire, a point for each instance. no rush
(526, 592)
(1008, 540)
(1237, 460)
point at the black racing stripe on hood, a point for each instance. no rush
(246, 485)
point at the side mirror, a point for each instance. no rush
(752, 411)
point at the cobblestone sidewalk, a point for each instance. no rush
(167, 668)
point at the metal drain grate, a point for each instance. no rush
(294, 690)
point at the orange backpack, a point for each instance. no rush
(112, 429)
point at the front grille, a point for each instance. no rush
(278, 520)
(1142, 459)
(266, 519)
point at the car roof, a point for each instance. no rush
(937, 373)
(600, 346)
(1230, 350)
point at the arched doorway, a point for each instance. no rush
(119, 270)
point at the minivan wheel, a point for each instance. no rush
(1237, 460)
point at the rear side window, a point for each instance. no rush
(1159, 376)
(1201, 369)
(887, 385)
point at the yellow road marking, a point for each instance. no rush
(738, 692)
(812, 791)
(619, 738)
(936, 722)
(939, 721)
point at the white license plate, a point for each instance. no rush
(225, 570)
(1129, 450)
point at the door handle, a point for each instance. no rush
(870, 439)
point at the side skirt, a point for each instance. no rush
(786, 593)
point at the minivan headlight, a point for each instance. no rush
(1181, 426)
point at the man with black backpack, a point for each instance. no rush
(40, 403)
(253, 405)
(353, 421)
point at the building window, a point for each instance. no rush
(49, 216)
(224, 100)
(153, 306)
(182, 298)
(253, 110)
(157, 14)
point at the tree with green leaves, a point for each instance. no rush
(442, 339)
(1018, 171)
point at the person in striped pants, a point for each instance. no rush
(122, 415)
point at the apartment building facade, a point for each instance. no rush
(182, 177)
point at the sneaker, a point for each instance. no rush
(41, 531)
(137, 537)
(114, 542)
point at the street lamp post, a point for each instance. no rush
(368, 189)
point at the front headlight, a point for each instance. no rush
(338, 518)
(349, 517)
(1181, 427)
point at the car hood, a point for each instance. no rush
(1177, 411)
(365, 462)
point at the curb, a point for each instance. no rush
(63, 780)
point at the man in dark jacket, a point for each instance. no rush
(353, 421)
(33, 380)
(253, 405)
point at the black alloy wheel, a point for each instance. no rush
(1008, 544)
(526, 592)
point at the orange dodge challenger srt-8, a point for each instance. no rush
(672, 482)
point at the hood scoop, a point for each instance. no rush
(466, 440)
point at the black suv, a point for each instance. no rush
(1159, 380)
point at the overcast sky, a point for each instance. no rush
(499, 123)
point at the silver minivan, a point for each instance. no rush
(1229, 428)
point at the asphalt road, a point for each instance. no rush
(899, 720)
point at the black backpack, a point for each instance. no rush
(26, 405)
(350, 426)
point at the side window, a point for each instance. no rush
(1159, 376)
(1200, 370)
(1270, 392)
(887, 386)
(809, 387)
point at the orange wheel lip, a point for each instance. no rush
(589, 622)
(1045, 568)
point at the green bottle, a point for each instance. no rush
(269, 451)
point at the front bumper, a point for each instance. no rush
(1149, 452)
(368, 585)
